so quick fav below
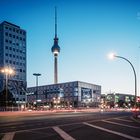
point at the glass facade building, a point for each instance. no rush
(69, 94)
(13, 56)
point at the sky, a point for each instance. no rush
(87, 30)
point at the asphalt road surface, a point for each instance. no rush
(69, 126)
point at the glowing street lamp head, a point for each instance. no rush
(2, 71)
(111, 55)
(11, 71)
(7, 71)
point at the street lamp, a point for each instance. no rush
(37, 75)
(112, 56)
(7, 72)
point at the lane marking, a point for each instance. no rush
(63, 134)
(120, 124)
(9, 136)
(123, 120)
(10, 124)
(111, 131)
(135, 120)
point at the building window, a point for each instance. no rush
(17, 56)
(13, 29)
(20, 70)
(10, 35)
(6, 40)
(94, 91)
(14, 49)
(13, 36)
(13, 56)
(23, 39)
(17, 44)
(6, 27)
(10, 41)
(20, 32)
(6, 34)
(10, 29)
(6, 54)
(10, 48)
(17, 31)
(6, 47)
(10, 55)
(20, 57)
(17, 50)
(20, 51)
(10, 61)
(14, 62)
(6, 61)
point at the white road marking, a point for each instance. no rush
(120, 124)
(123, 120)
(113, 132)
(63, 134)
(9, 136)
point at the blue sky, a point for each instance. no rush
(88, 30)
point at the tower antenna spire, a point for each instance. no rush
(55, 22)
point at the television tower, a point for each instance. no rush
(55, 50)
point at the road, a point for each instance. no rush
(69, 126)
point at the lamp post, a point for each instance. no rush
(37, 75)
(7, 72)
(112, 56)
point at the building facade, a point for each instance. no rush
(117, 100)
(13, 56)
(69, 94)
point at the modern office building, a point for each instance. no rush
(13, 56)
(69, 94)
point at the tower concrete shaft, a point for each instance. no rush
(55, 70)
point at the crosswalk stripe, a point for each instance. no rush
(63, 134)
(123, 120)
(120, 124)
(111, 131)
(9, 136)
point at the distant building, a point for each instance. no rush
(69, 94)
(118, 100)
(13, 55)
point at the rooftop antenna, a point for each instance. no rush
(55, 22)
